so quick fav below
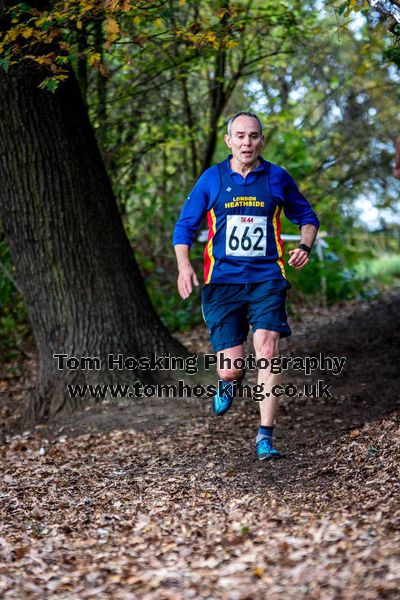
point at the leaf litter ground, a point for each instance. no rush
(162, 500)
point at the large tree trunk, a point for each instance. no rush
(82, 287)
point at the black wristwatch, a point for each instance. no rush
(304, 247)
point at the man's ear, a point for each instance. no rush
(227, 140)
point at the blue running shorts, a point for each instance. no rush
(229, 308)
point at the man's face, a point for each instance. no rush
(246, 140)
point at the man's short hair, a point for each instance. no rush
(246, 114)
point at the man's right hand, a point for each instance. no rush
(187, 277)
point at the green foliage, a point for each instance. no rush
(163, 77)
(393, 55)
(345, 7)
(385, 269)
(317, 107)
(330, 278)
(13, 320)
(152, 242)
(4, 64)
(174, 313)
(50, 84)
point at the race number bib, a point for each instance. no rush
(246, 235)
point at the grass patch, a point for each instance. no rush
(385, 269)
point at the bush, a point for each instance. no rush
(14, 328)
(385, 269)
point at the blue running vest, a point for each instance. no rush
(244, 232)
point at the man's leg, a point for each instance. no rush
(266, 345)
(229, 373)
(225, 363)
(225, 314)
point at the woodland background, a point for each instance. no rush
(159, 81)
(109, 111)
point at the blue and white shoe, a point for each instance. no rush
(265, 449)
(223, 399)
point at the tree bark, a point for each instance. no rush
(83, 289)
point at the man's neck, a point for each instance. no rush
(243, 170)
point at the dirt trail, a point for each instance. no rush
(180, 507)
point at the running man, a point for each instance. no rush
(244, 273)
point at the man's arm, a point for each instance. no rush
(298, 210)
(197, 203)
(299, 257)
(187, 276)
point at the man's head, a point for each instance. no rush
(245, 137)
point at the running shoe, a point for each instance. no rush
(265, 449)
(223, 399)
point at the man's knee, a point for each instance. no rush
(230, 374)
(266, 346)
(230, 363)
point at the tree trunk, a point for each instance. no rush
(82, 286)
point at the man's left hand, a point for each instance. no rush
(298, 258)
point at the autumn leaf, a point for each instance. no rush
(258, 571)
